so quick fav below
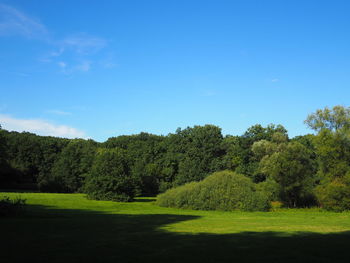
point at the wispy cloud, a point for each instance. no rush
(72, 53)
(59, 112)
(40, 127)
(275, 80)
(62, 64)
(16, 73)
(15, 22)
(108, 62)
(83, 66)
(209, 93)
(79, 50)
(83, 43)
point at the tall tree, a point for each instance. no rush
(110, 178)
(292, 167)
(72, 166)
(334, 119)
(240, 156)
(202, 152)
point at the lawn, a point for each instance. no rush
(70, 228)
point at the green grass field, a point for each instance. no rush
(70, 228)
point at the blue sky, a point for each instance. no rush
(97, 69)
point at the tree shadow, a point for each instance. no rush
(67, 235)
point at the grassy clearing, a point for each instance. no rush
(70, 228)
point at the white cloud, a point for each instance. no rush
(40, 127)
(14, 22)
(275, 80)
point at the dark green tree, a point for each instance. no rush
(144, 152)
(73, 164)
(201, 153)
(292, 167)
(110, 177)
(5, 173)
(31, 157)
(240, 156)
(332, 146)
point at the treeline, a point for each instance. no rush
(303, 171)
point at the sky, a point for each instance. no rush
(97, 69)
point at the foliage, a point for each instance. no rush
(198, 151)
(239, 153)
(333, 152)
(10, 207)
(223, 190)
(110, 178)
(333, 119)
(30, 158)
(287, 170)
(270, 188)
(144, 151)
(293, 169)
(335, 195)
(332, 146)
(71, 167)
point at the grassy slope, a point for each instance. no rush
(69, 228)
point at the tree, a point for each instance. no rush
(201, 152)
(292, 167)
(240, 156)
(332, 146)
(5, 175)
(74, 162)
(332, 142)
(30, 158)
(110, 178)
(334, 119)
(2, 149)
(144, 152)
(335, 195)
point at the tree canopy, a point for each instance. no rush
(302, 171)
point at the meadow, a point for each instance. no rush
(71, 228)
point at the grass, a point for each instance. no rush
(70, 228)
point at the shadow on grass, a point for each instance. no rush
(62, 235)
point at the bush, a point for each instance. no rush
(223, 190)
(335, 196)
(10, 207)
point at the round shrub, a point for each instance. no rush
(223, 190)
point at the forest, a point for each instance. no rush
(304, 171)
